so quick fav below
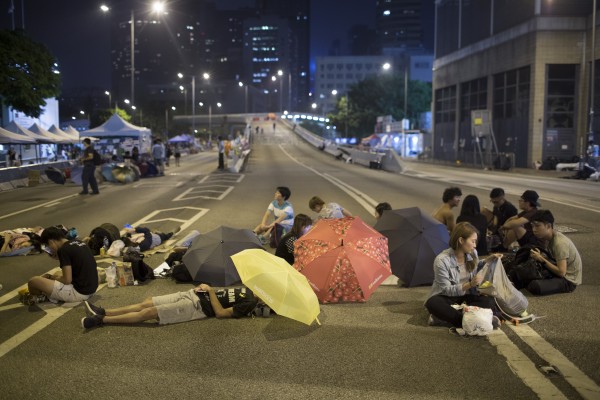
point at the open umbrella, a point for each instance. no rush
(209, 257)
(414, 240)
(55, 175)
(343, 259)
(124, 173)
(278, 284)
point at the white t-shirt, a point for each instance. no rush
(285, 209)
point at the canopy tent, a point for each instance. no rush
(8, 137)
(118, 132)
(72, 131)
(60, 133)
(180, 139)
(117, 127)
(35, 128)
(18, 129)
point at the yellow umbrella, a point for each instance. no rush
(278, 284)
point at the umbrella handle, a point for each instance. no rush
(318, 322)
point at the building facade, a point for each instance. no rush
(528, 62)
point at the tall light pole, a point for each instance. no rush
(593, 73)
(167, 120)
(206, 77)
(109, 98)
(241, 84)
(280, 74)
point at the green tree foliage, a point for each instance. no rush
(376, 96)
(27, 74)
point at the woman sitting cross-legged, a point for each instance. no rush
(456, 279)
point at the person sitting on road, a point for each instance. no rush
(285, 249)
(327, 211)
(568, 266)
(143, 237)
(518, 228)
(470, 213)
(501, 212)
(198, 303)
(79, 277)
(281, 210)
(451, 199)
(456, 279)
(380, 208)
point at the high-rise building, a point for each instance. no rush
(405, 23)
(530, 63)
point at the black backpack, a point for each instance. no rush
(141, 271)
(97, 158)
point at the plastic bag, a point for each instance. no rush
(477, 321)
(115, 248)
(496, 284)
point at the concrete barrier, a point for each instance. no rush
(388, 159)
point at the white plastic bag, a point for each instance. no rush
(477, 321)
(115, 248)
(508, 297)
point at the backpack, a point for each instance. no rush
(141, 271)
(276, 235)
(181, 274)
(97, 158)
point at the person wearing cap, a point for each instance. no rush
(518, 228)
(567, 268)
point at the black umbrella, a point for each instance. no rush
(414, 240)
(209, 257)
(56, 175)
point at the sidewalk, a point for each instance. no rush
(415, 165)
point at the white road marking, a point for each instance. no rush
(192, 193)
(587, 388)
(199, 213)
(356, 194)
(38, 206)
(523, 367)
(157, 184)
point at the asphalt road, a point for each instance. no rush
(382, 349)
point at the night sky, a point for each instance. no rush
(77, 32)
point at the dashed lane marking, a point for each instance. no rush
(229, 178)
(523, 367)
(587, 388)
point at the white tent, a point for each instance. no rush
(19, 130)
(8, 137)
(35, 128)
(72, 132)
(62, 134)
(127, 134)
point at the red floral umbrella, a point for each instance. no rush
(343, 259)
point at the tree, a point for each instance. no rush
(28, 73)
(101, 116)
(376, 96)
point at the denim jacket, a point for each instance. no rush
(446, 280)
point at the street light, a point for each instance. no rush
(167, 119)
(206, 77)
(157, 7)
(109, 98)
(241, 84)
(280, 74)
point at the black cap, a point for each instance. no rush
(532, 197)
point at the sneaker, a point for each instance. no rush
(30, 299)
(263, 240)
(496, 323)
(83, 192)
(92, 322)
(435, 321)
(92, 310)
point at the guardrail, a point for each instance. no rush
(387, 159)
(27, 175)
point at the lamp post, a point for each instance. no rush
(241, 84)
(159, 8)
(167, 120)
(280, 74)
(109, 98)
(206, 77)
(592, 73)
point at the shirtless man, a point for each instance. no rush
(443, 213)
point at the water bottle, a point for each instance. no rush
(105, 244)
(111, 275)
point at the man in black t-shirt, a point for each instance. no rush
(198, 303)
(79, 277)
(518, 228)
(89, 169)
